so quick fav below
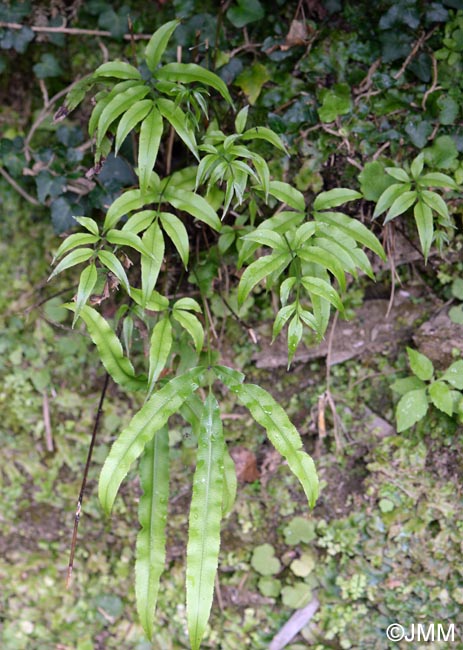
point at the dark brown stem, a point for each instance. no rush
(96, 423)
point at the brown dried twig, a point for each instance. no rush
(73, 31)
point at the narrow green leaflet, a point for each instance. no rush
(118, 105)
(152, 416)
(72, 241)
(126, 238)
(295, 330)
(412, 408)
(282, 434)
(139, 221)
(148, 146)
(127, 202)
(158, 43)
(264, 133)
(322, 289)
(112, 263)
(228, 376)
(78, 92)
(401, 205)
(109, 349)
(152, 514)
(76, 257)
(153, 241)
(190, 72)
(287, 194)
(441, 397)
(192, 325)
(104, 98)
(89, 224)
(437, 179)
(399, 174)
(133, 116)
(194, 204)
(420, 365)
(189, 304)
(425, 225)
(87, 283)
(326, 259)
(160, 346)
(230, 483)
(117, 70)
(177, 233)
(417, 166)
(267, 238)
(241, 119)
(354, 228)
(335, 197)
(260, 269)
(177, 118)
(282, 317)
(388, 197)
(204, 522)
(436, 203)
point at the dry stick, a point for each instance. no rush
(422, 39)
(434, 85)
(84, 481)
(46, 422)
(73, 31)
(329, 397)
(19, 189)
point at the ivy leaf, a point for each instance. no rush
(148, 147)
(150, 418)
(204, 522)
(412, 408)
(47, 67)
(87, 283)
(158, 43)
(420, 365)
(152, 515)
(251, 81)
(109, 349)
(441, 397)
(282, 434)
(160, 347)
(245, 12)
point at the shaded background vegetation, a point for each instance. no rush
(350, 87)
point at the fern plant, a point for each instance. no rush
(310, 256)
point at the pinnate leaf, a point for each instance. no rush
(152, 416)
(152, 514)
(109, 349)
(282, 434)
(204, 522)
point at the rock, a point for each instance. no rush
(438, 337)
